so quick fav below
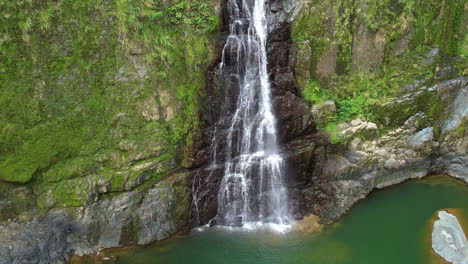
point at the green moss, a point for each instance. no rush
(16, 200)
(70, 90)
(395, 114)
(70, 193)
(332, 129)
(325, 24)
(68, 169)
(314, 92)
(439, 23)
(461, 129)
(118, 181)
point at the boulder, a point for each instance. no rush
(36, 241)
(448, 239)
(321, 112)
(424, 136)
(458, 167)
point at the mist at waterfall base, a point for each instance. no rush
(252, 192)
(390, 226)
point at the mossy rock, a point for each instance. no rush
(15, 200)
(76, 192)
(64, 99)
(397, 111)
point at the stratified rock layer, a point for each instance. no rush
(136, 217)
(365, 159)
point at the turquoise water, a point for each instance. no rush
(391, 226)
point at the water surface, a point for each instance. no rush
(391, 226)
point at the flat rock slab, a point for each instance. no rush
(448, 239)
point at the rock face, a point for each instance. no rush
(323, 111)
(137, 217)
(43, 241)
(16, 201)
(292, 111)
(359, 37)
(365, 159)
(104, 125)
(118, 187)
(368, 45)
(449, 240)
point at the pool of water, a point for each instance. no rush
(391, 226)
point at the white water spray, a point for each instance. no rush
(253, 190)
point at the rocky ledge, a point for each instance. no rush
(371, 156)
(137, 217)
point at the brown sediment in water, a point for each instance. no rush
(433, 257)
(111, 255)
(309, 224)
(442, 179)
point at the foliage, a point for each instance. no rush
(328, 24)
(314, 92)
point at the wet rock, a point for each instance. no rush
(458, 110)
(205, 184)
(136, 217)
(16, 202)
(293, 115)
(108, 218)
(449, 240)
(458, 167)
(283, 11)
(338, 198)
(164, 210)
(38, 241)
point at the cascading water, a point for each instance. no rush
(253, 189)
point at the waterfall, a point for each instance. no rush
(253, 189)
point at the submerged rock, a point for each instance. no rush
(309, 224)
(449, 240)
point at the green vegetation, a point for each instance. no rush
(357, 94)
(328, 25)
(91, 89)
(76, 77)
